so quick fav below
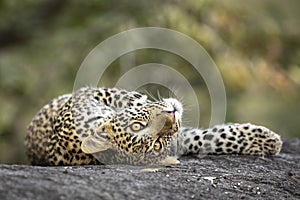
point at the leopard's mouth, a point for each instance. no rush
(173, 116)
(165, 119)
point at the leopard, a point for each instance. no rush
(97, 125)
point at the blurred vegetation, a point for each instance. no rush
(254, 44)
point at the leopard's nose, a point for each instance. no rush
(171, 114)
(174, 106)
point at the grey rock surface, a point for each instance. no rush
(211, 177)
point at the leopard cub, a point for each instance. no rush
(109, 125)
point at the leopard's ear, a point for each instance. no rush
(98, 142)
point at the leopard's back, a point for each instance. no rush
(40, 130)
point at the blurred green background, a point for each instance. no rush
(255, 45)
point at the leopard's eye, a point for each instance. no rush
(137, 126)
(157, 146)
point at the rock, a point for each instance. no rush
(211, 177)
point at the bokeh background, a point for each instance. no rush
(255, 45)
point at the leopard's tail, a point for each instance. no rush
(245, 139)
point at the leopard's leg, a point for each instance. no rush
(244, 139)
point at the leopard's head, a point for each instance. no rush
(138, 130)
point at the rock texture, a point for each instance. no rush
(211, 177)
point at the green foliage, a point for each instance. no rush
(254, 44)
